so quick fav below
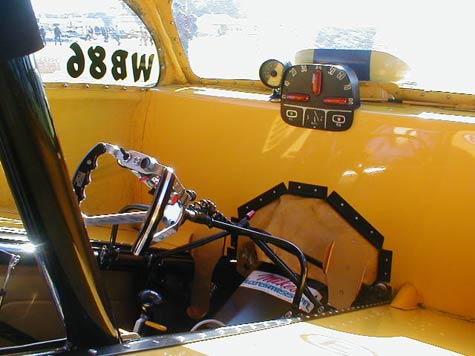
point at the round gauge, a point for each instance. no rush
(271, 73)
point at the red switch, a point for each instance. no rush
(297, 97)
(317, 82)
(336, 101)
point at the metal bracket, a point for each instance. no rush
(356, 220)
(262, 200)
(308, 190)
(385, 260)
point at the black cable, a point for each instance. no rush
(193, 245)
(287, 271)
(283, 266)
(309, 258)
(277, 241)
(314, 261)
(202, 242)
(264, 247)
(260, 238)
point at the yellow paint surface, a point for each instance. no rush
(408, 170)
(428, 326)
(378, 331)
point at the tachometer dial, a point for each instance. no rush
(271, 73)
(320, 96)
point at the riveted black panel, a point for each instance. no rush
(308, 190)
(262, 200)
(385, 259)
(356, 220)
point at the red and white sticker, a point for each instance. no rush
(279, 287)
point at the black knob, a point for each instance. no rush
(150, 298)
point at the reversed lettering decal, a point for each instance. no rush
(76, 62)
(119, 67)
(99, 64)
(98, 67)
(142, 68)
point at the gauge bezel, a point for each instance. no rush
(330, 106)
(264, 79)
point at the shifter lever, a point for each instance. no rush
(149, 299)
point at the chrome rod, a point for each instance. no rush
(115, 219)
(156, 211)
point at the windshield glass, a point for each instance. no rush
(229, 39)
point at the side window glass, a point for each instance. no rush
(96, 42)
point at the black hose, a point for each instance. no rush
(193, 245)
(310, 259)
(202, 242)
(259, 237)
(287, 271)
(277, 241)
(314, 261)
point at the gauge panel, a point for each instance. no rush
(320, 96)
